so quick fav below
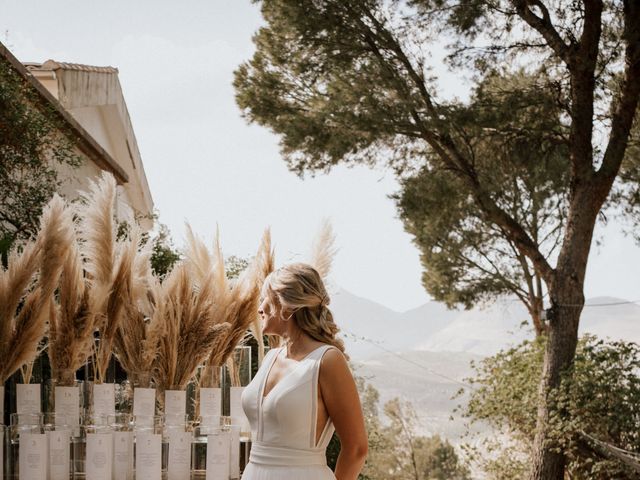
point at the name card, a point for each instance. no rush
(234, 459)
(28, 398)
(32, 459)
(148, 455)
(99, 461)
(59, 454)
(210, 402)
(218, 456)
(104, 398)
(144, 404)
(179, 465)
(123, 455)
(67, 403)
(175, 406)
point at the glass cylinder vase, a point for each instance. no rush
(28, 446)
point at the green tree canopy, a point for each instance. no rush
(600, 397)
(33, 143)
(396, 450)
(523, 161)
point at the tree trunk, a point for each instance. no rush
(559, 353)
(566, 293)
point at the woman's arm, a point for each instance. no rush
(341, 399)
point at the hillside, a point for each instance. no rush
(422, 355)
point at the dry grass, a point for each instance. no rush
(242, 311)
(71, 320)
(323, 250)
(136, 340)
(108, 278)
(118, 301)
(189, 328)
(27, 287)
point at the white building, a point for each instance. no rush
(90, 102)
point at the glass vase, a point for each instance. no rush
(59, 433)
(207, 432)
(26, 431)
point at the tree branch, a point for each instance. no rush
(544, 26)
(624, 111)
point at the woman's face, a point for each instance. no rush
(273, 319)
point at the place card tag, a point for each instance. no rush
(179, 465)
(32, 459)
(175, 406)
(99, 460)
(67, 403)
(234, 458)
(148, 455)
(28, 398)
(123, 455)
(210, 403)
(218, 456)
(144, 404)
(104, 399)
(59, 454)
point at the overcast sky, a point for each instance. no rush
(205, 165)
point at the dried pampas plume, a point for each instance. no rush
(138, 336)
(323, 249)
(71, 321)
(189, 331)
(118, 300)
(97, 247)
(19, 290)
(242, 313)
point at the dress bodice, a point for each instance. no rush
(287, 416)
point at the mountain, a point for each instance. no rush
(423, 355)
(429, 380)
(370, 328)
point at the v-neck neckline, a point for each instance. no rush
(263, 397)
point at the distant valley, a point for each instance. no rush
(424, 354)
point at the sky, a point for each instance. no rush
(206, 166)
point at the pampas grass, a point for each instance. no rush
(106, 282)
(210, 278)
(138, 335)
(323, 249)
(117, 302)
(189, 330)
(71, 320)
(242, 312)
(21, 288)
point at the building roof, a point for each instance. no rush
(55, 65)
(80, 87)
(86, 142)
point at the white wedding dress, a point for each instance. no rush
(283, 424)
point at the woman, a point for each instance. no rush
(304, 389)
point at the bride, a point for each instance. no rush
(304, 390)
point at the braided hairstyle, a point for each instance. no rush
(298, 287)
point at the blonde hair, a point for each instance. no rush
(299, 287)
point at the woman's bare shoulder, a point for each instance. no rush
(333, 361)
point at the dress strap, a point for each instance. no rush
(317, 356)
